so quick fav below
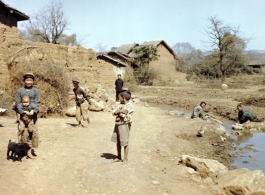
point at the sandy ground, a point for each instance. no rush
(76, 160)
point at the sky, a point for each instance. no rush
(112, 23)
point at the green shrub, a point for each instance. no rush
(145, 75)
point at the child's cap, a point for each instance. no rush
(75, 81)
(28, 75)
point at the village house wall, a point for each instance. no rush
(79, 62)
(119, 58)
(8, 26)
(165, 65)
(109, 70)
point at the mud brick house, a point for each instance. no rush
(257, 66)
(9, 17)
(165, 64)
(122, 54)
(117, 64)
(79, 62)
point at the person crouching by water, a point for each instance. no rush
(120, 136)
(80, 97)
(198, 111)
(245, 116)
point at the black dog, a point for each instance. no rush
(18, 150)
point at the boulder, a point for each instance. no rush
(100, 90)
(241, 182)
(96, 106)
(237, 127)
(205, 167)
(201, 131)
(220, 130)
(111, 103)
(2, 111)
(224, 87)
(104, 97)
(71, 111)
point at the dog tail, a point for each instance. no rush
(9, 140)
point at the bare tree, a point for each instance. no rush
(101, 48)
(69, 40)
(48, 24)
(188, 56)
(227, 45)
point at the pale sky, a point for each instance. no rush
(116, 22)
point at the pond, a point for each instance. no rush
(250, 152)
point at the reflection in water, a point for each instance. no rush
(243, 138)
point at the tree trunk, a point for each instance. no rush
(223, 76)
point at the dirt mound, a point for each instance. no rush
(50, 77)
(258, 102)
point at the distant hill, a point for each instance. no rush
(258, 52)
(255, 51)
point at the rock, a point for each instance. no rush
(136, 100)
(171, 113)
(220, 130)
(241, 182)
(237, 133)
(2, 111)
(111, 102)
(104, 97)
(224, 87)
(100, 90)
(201, 131)
(222, 138)
(155, 182)
(208, 180)
(71, 111)
(205, 167)
(191, 171)
(146, 104)
(96, 106)
(237, 127)
(96, 97)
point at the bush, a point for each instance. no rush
(188, 77)
(145, 75)
(50, 78)
(132, 87)
(129, 76)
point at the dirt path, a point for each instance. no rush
(75, 160)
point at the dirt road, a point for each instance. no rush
(76, 160)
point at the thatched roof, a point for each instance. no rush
(127, 48)
(256, 62)
(17, 14)
(108, 58)
(124, 56)
(157, 43)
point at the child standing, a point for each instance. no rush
(120, 136)
(26, 124)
